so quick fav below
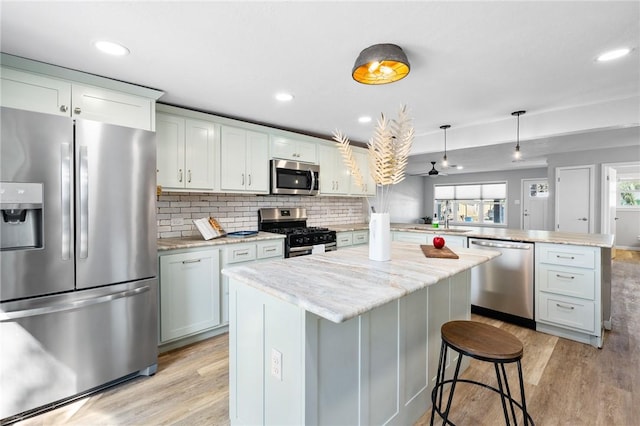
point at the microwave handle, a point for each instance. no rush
(313, 181)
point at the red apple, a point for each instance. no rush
(438, 242)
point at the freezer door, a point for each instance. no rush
(37, 149)
(55, 347)
(115, 199)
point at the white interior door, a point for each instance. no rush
(575, 199)
(535, 196)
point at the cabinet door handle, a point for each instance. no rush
(189, 175)
(568, 277)
(565, 257)
(77, 110)
(249, 179)
(560, 305)
(242, 179)
(64, 108)
(179, 175)
(192, 261)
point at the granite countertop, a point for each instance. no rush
(345, 283)
(594, 240)
(198, 241)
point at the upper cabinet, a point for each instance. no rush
(334, 174)
(368, 187)
(244, 161)
(186, 153)
(48, 89)
(295, 150)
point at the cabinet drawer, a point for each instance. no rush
(567, 312)
(270, 249)
(574, 282)
(241, 253)
(344, 239)
(360, 237)
(410, 237)
(557, 254)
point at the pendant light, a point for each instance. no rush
(445, 162)
(517, 155)
(380, 64)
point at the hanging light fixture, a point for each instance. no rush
(517, 154)
(433, 171)
(445, 163)
(381, 64)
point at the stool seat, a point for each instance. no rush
(483, 341)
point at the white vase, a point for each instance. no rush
(380, 237)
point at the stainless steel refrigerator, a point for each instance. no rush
(78, 289)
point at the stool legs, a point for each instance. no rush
(503, 389)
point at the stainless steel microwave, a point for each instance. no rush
(294, 178)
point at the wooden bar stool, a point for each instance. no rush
(485, 343)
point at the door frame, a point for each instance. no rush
(604, 190)
(592, 170)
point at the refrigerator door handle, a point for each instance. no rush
(84, 203)
(65, 199)
(77, 304)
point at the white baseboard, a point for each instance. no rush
(633, 248)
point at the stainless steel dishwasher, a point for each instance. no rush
(503, 288)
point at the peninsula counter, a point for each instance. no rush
(336, 338)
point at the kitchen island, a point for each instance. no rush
(336, 338)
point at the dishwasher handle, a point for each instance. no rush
(502, 245)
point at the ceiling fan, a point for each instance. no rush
(434, 172)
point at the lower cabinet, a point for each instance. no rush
(427, 238)
(235, 254)
(569, 281)
(352, 238)
(189, 293)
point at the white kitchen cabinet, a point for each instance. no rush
(368, 187)
(427, 238)
(189, 293)
(352, 238)
(34, 92)
(244, 161)
(294, 150)
(186, 153)
(234, 254)
(568, 292)
(334, 174)
(40, 93)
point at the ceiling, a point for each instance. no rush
(472, 64)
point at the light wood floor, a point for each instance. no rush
(567, 383)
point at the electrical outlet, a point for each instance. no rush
(177, 221)
(276, 364)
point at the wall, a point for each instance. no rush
(512, 177)
(240, 212)
(582, 158)
(407, 200)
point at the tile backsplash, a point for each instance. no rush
(237, 212)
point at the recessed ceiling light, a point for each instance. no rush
(111, 48)
(459, 167)
(364, 119)
(284, 97)
(613, 54)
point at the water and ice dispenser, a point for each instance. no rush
(21, 221)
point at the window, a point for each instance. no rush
(483, 204)
(628, 192)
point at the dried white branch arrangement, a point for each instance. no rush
(389, 149)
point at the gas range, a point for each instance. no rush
(300, 239)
